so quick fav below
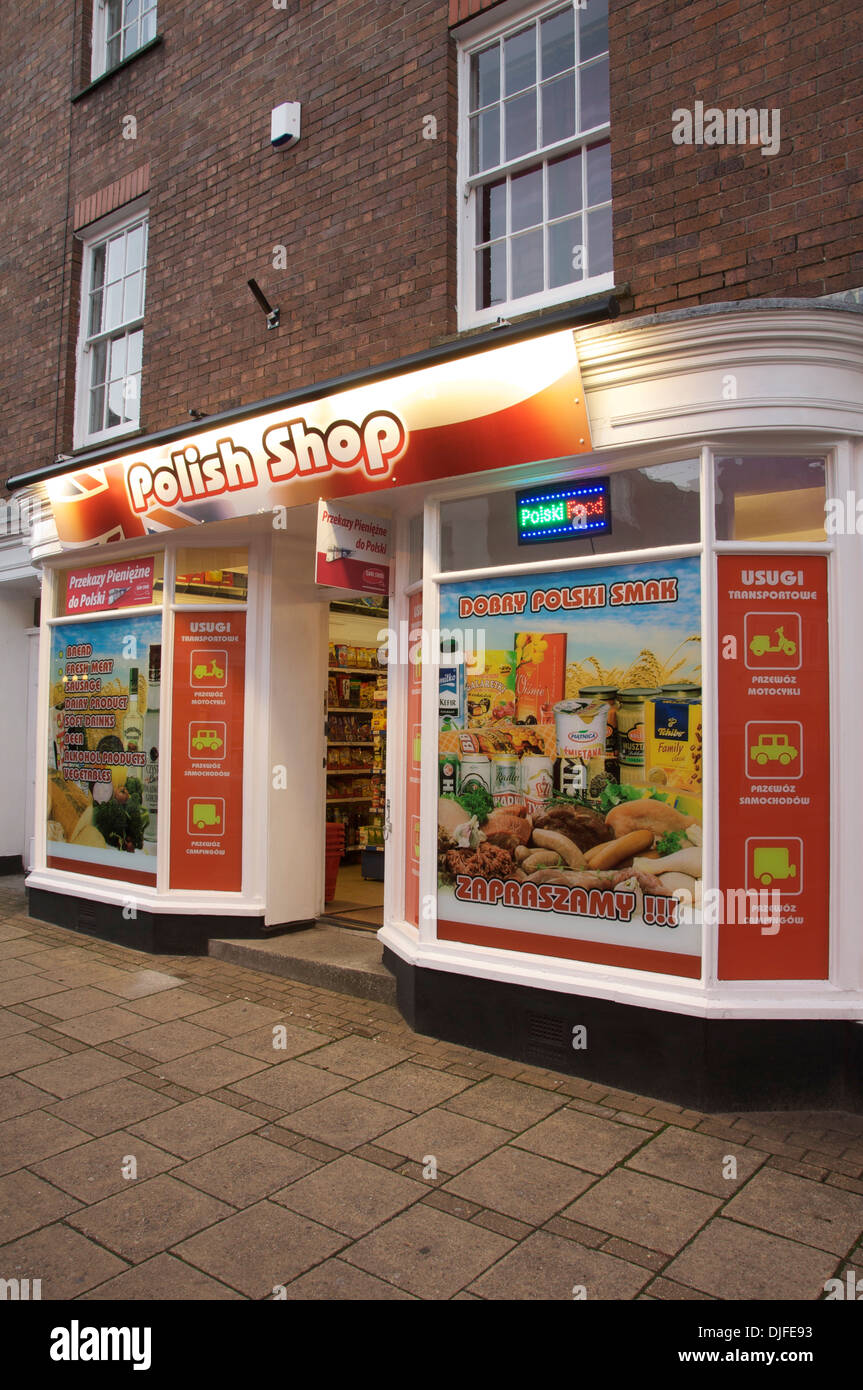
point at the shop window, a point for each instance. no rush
(120, 28)
(212, 575)
(536, 172)
(650, 507)
(415, 548)
(112, 331)
(770, 499)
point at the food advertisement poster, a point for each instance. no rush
(570, 736)
(207, 751)
(103, 747)
(774, 765)
(412, 800)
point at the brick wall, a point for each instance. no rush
(364, 205)
(699, 224)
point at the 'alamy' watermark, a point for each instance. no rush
(735, 126)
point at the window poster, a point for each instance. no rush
(103, 747)
(570, 755)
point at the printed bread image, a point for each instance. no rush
(69, 807)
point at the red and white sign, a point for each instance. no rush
(774, 767)
(353, 550)
(505, 406)
(98, 588)
(207, 751)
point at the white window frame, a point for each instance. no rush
(97, 235)
(474, 36)
(99, 64)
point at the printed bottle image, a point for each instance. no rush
(154, 676)
(133, 732)
(150, 772)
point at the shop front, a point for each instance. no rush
(615, 680)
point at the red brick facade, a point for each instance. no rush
(364, 205)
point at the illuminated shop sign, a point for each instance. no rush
(556, 513)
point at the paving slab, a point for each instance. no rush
(732, 1261)
(427, 1253)
(164, 1277)
(109, 1107)
(209, 1069)
(351, 1195)
(658, 1215)
(344, 1120)
(78, 1071)
(547, 1267)
(507, 1103)
(290, 1086)
(17, 1097)
(27, 1203)
(454, 1141)
(25, 1139)
(520, 1184)
(246, 1170)
(582, 1140)
(148, 1216)
(260, 1248)
(411, 1087)
(335, 1281)
(697, 1160)
(825, 1217)
(196, 1127)
(100, 1168)
(67, 1263)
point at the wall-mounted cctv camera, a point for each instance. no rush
(285, 125)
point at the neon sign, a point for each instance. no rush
(564, 510)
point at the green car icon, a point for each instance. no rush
(206, 738)
(772, 748)
(205, 813)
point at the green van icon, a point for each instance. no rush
(204, 813)
(773, 862)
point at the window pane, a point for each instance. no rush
(594, 95)
(135, 249)
(132, 296)
(491, 275)
(98, 274)
(592, 29)
(564, 185)
(599, 173)
(558, 43)
(113, 16)
(98, 364)
(134, 351)
(116, 258)
(527, 272)
(565, 252)
(770, 499)
(558, 109)
(95, 324)
(526, 200)
(485, 77)
(113, 305)
(97, 406)
(485, 140)
(521, 125)
(649, 507)
(599, 241)
(519, 60)
(216, 573)
(491, 211)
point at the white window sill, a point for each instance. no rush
(567, 294)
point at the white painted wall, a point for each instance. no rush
(16, 616)
(298, 692)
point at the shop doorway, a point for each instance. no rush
(356, 766)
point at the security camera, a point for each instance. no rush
(285, 125)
